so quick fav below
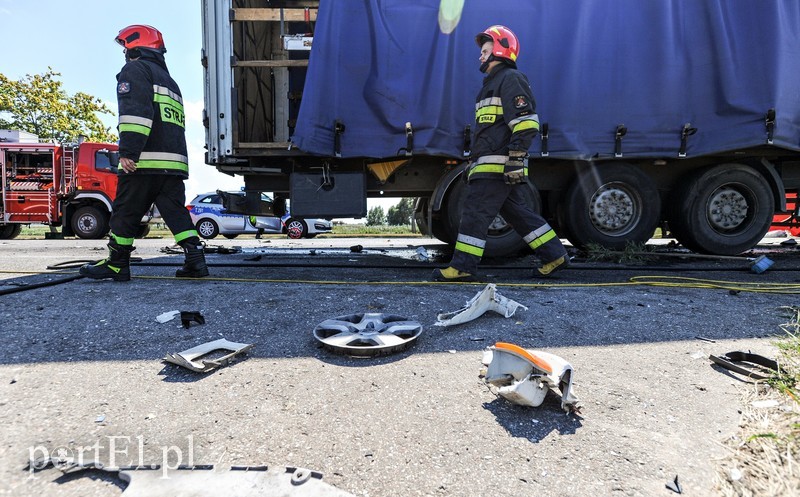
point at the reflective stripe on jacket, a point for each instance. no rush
(494, 165)
(151, 117)
(505, 120)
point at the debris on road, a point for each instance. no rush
(675, 486)
(524, 376)
(367, 334)
(167, 316)
(748, 364)
(487, 299)
(157, 480)
(192, 358)
(189, 317)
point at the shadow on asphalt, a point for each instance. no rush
(85, 320)
(534, 424)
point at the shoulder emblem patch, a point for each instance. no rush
(123, 87)
(520, 101)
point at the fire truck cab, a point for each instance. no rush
(71, 185)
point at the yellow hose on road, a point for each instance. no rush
(654, 281)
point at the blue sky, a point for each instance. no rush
(76, 39)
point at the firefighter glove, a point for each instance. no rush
(514, 171)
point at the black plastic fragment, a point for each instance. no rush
(187, 317)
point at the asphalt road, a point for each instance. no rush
(81, 370)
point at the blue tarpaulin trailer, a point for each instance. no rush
(671, 113)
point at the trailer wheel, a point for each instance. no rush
(207, 228)
(89, 223)
(724, 210)
(436, 228)
(610, 206)
(10, 231)
(501, 239)
(421, 214)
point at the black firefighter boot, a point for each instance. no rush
(115, 267)
(195, 264)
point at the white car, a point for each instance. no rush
(210, 219)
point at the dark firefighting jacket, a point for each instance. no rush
(505, 120)
(151, 117)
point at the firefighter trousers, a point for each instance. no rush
(485, 199)
(137, 192)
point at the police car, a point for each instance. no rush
(210, 219)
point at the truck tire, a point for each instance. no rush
(724, 210)
(89, 223)
(610, 205)
(501, 240)
(207, 228)
(421, 214)
(436, 228)
(10, 231)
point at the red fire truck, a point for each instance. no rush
(69, 185)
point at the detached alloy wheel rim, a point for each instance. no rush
(367, 334)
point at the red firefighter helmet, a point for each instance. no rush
(141, 36)
(506, 45)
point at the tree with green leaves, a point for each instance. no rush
(400, 214)
(376, 217)
(39, 104)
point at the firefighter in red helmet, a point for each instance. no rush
(505, 126)
(153, 159)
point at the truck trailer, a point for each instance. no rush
(671, 114)
(68, 185)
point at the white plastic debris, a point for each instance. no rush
(487, 299)
(765, 404)
(167, 316)
(194, 358)
(524, 376)
(422, 254)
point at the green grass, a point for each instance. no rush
(788, 378)
(381, 230)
